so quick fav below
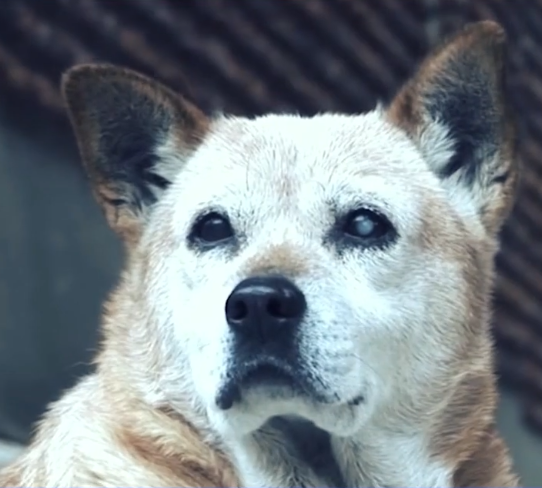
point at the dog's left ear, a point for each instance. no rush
(134, 135)
(456, 112)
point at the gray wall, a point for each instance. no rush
(57, 262)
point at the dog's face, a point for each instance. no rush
(333, 267)
(304, 270)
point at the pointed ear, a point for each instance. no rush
(133, 135)
(456, 112)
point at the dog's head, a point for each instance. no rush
(334, 267)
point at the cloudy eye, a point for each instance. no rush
(212, 228)
(367, 225)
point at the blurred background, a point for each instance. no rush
(58, 259)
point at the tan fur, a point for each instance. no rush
(281, 258)
(154, 449)
(424, 362)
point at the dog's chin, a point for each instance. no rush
(269, 380)
(258, 406)
(255, 394)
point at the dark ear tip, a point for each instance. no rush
(484, 32)
(486, 28)
(76, 81)
(81, 73)
(79, 78)
(480, 42)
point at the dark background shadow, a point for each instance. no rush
(58, 259)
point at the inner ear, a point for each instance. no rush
(134, 135)
(455, 110)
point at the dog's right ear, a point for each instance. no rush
(457, 111)
(133, 134)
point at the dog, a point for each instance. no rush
(305, 301)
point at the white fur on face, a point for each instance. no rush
(374, 317)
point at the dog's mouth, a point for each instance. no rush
(272, 375)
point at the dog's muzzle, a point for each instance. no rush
(264, 314)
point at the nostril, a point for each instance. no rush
(237, 310)
(283, 307)
(275, 307)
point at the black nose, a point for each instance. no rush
(265, 307)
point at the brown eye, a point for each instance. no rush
(366, 224)
(212, 228)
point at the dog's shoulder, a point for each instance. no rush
(91, 438)
(54, 456)
(491, 465)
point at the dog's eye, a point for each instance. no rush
(212, 228)
(366, 224)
